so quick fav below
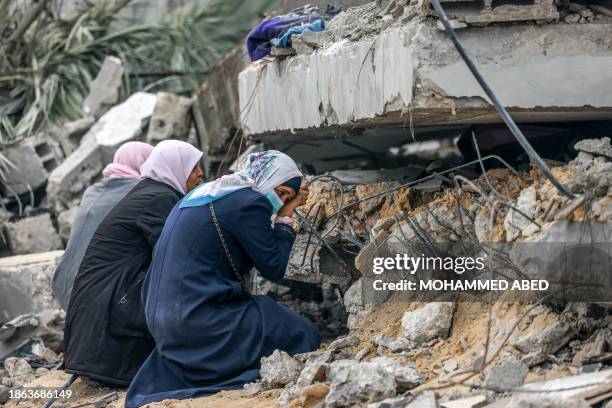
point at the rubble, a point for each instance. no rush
(507, 374)
(279, 369)
(353, 383)
(171, 118)
(19, 370)
(84, 166)
(32, 235)
(69, 135)
(26, 284)
(26, 173)
(104, 89)
(431, 321)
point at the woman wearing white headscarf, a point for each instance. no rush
(106, 336)
(210, 332)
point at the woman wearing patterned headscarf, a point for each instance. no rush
(210, 332)
(106, 337)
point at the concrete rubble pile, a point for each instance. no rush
(375, 71)
(405, 354)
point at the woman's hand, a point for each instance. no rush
(299, 199)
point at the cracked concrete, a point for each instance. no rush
(540, 72)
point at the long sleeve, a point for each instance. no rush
(267, 247)
(152, 220)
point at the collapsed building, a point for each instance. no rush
(404, 152)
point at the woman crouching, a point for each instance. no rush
(210, 332)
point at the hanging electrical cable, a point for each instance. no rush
(498, 106)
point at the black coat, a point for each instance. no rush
(106, 337)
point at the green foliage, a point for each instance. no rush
(45, 73)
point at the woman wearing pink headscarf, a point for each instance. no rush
(120, 177)
(106, 337)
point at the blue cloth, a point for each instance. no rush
(295, 183)
(209, 334)
(259, 38)
(285, 40)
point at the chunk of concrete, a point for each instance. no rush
(19, 371)
(517, 224)
(431, 321)
(507, 374)
(84, 166)
(279, 369)
(354, 383)
(69, 135)
(547, 340)
(26, 171)
(104, 89)
(26, 284)
(406, 377)
(124, 122)
(65, 221)
(171, 118)
(32, 235)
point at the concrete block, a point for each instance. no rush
(26, 172)
(104, 90)
(25, 284)
(70, 134)
(171, 118)
(32, 234)
(84, 166)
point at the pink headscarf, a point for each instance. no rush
(127, 160)
(171, 162)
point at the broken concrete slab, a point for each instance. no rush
(69, 135)
(429, 322)
(26, 173)
(123, 122)
(32, 235)
(420, 57)
(104, 89)
(26, 284)
(84, 166)
(171, 118)
(562, 389)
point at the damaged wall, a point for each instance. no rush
(548, 69)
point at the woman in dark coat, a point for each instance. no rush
(106, 338)
(120, 177)
(210, 332)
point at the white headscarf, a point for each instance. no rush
(171, 162)
(260, 171)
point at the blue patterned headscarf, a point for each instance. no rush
(260, 171)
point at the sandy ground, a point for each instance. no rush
(86, 392)
(465, 343)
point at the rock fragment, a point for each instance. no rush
(104, 90)
(279, 369)
(506, 374)
(431, 321)
(19, 371)
(354, 383)
(32, 235)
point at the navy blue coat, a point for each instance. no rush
(209, 334)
